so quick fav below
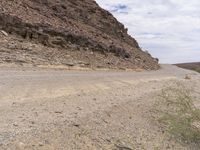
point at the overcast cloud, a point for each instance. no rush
(169, 29)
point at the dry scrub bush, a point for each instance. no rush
(178, 114)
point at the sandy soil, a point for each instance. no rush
(44, 109)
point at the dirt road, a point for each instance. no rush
(88, 110)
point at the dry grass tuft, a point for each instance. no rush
(178, 114)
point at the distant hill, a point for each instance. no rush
(67, 32)
(192, 66)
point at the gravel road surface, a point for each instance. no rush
(89, 110)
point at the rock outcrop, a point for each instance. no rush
(67, 32)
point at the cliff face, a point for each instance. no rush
(67, 32)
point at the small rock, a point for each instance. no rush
(79, 108)
(4, 33)
(76, 125)
(58, 112)
(187, 77)
(15, 124)
(14, 103)
(41, 144)
(69, 64)
(121, 147)
(27, 47)
(83, 63)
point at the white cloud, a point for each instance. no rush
(169, 29)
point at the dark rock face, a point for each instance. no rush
(78, 23)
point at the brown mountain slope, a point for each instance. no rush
(67, 32)
(192, 66)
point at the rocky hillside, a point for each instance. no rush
(67, 33)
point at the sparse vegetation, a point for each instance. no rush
(197, 69)
(178, 114)
(190, 66)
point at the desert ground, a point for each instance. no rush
(48, 109)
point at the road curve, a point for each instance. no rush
(40, 109)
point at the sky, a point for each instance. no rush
(168, 29)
